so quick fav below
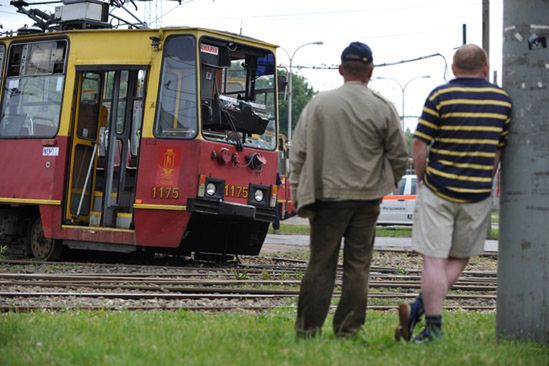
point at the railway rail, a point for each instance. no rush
(32, 285)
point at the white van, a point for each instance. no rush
(397, 208)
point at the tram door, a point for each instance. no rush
(105, 148)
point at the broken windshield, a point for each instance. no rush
(237, 94)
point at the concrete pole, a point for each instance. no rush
(290, 97)
(486, 25)
(523, 267)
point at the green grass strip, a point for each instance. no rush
(381, 231)
(186, 338)
(300, 229)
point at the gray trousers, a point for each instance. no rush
(328, 226)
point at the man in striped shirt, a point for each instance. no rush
(456, 150)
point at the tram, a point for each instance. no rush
(137, 140)
(286, 207)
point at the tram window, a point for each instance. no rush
(177, 112)
(140, 90)
(89, 107)
(16, 55)
(45, 58)
(122, 98)
(33, 89)
(135, 136)
(240, 97)
(136, 127)
(2, 52)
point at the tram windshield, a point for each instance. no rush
(177, 113)
(236, 90)
(238, 94)
(2, 52)
(33, 89)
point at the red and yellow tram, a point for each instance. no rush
(137, 140)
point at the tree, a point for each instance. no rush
(302, 94)
(408, 135)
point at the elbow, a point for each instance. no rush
(419, 148)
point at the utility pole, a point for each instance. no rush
(290, 84)
(523, 275)
(486, 25)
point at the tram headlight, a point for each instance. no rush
(258, 195)
(210, 189)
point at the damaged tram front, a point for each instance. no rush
(137, 140)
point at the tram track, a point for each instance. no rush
(209, 289)
(121, 283)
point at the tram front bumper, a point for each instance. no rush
(231, 209)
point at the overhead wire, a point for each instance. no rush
(312, 14)
(393, 63)
(182, 2)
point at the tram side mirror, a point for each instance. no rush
(224, 57)
(282, 84)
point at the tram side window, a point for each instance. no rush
(2, 52)
(33, 89)
(137, 111)
(177, 113)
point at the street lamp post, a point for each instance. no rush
(403, 89)
(290, 90)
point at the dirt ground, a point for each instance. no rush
(401, 259)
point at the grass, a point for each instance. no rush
(495, 216)
(381, 232)
(302, 229)
(186, 338)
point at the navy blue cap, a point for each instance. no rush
(357, 51)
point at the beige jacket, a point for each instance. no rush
(348, 145)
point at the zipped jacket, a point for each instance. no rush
(348, 145)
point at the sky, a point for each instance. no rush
(395, 30)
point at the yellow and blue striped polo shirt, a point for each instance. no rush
(464, 121)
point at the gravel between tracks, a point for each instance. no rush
(271, 256)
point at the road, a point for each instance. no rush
(489, 245)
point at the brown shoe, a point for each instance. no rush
(403, 330)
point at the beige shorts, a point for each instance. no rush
(444, 229)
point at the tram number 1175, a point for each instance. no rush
(168, 193)
(232, 190)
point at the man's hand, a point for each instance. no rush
(419, 154)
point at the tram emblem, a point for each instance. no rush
(168, 163)
(167, 173)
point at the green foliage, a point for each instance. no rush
(391, 232)
(291, 229)
(409, 137)
(381, 232)
(302, 94)
(241, 276)
(186, 338)
(394, 232)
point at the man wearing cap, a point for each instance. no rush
(348, 151)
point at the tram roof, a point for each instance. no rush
(225, 34)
